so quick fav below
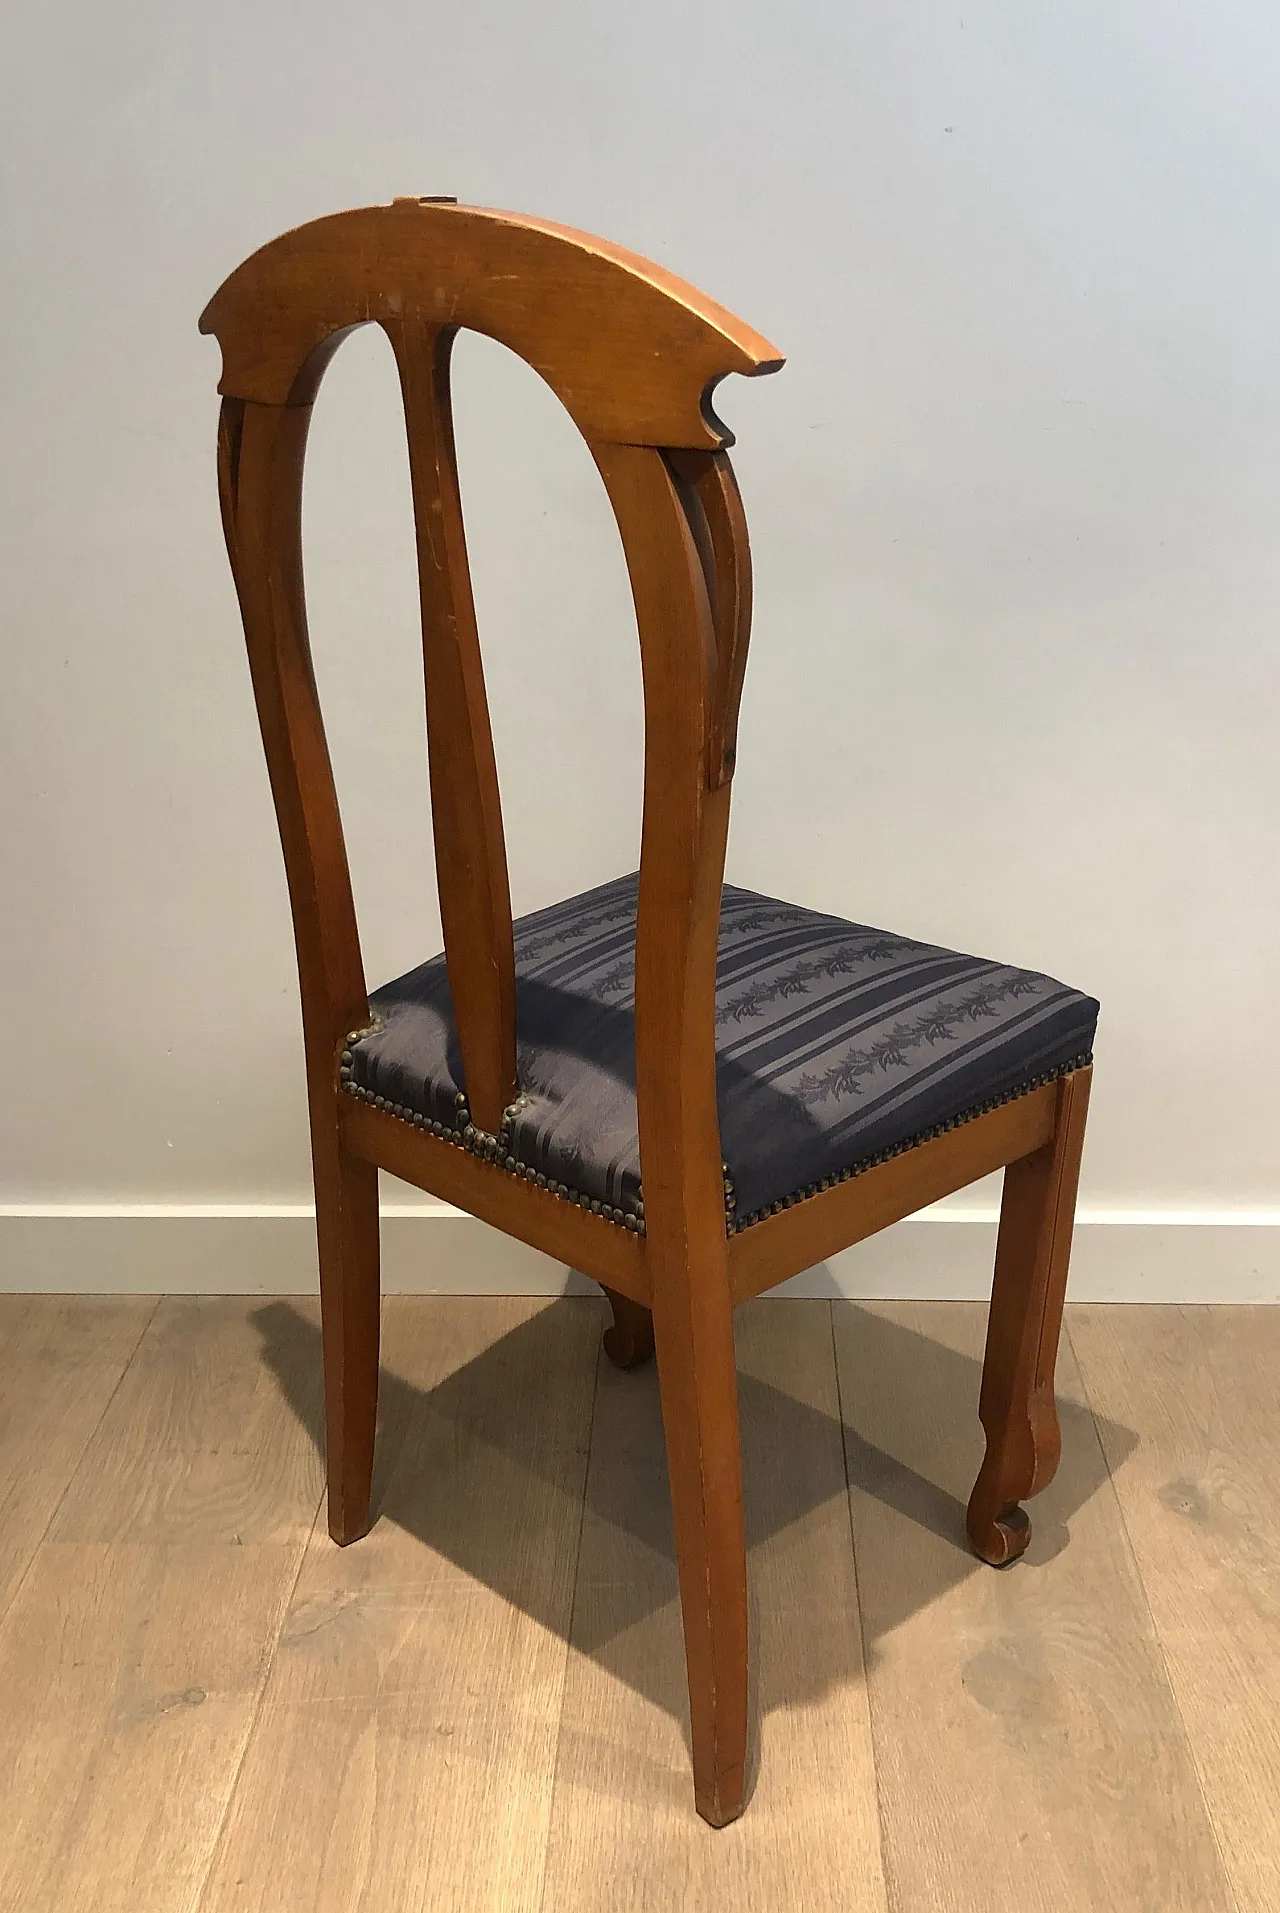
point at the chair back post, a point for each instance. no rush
(683, 840)
(261, 449)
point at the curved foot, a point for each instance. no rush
(1000, 1538)
(630, 1339)
(1016, 1408)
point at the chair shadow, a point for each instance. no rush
(490, 1413)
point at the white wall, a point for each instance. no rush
(1014, 504)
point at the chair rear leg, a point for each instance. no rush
(1017, 1407)
(698, 1383)
(629, 1341)
(347, 1232)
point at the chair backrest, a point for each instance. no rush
(634, 354)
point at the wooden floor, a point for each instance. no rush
(206, 1706)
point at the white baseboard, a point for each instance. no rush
(943, 1254)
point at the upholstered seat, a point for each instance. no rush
(836, 1045)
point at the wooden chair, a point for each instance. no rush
(686, 1091)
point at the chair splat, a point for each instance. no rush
(466, 810)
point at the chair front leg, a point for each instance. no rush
(698, 1384)
(347, 1235)
(1017, 1407)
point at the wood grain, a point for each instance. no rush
(630, 349)
(466, 810)
(1029, 1749)
(718, 521)
(261, 450)
(682, 850)
(405, 1749)
(1016, 1406)
(422, 1742)
(60, 1359)
(622, 1835)
(133, 1656)
(1201, 1500)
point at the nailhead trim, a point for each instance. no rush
(495, 1149)
(478, 1142)
(735, 1224)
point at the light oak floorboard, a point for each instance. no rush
(133, 1655)
(1201, 1501)
(60, 1358)
(624, 1831)
(404, 1753)
(1029, 1749)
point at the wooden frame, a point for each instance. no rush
(634, 355)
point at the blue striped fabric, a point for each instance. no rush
(836, 1044)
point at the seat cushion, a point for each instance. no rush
(836, 1045)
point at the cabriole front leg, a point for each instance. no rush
(1017, 1407)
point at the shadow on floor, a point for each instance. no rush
(441, 1449)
